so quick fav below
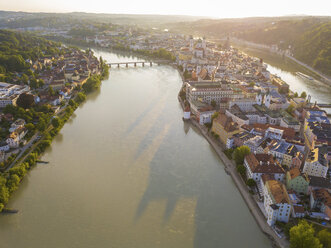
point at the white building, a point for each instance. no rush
(10, 92)
(263, 164)
(276, 202)
(16, 137)
(19, 123)
(315, 164)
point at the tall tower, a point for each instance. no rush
(259, 99)
(204, 46)
(267, 101)
(191, 43)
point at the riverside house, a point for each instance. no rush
(297, 181)
(263, 164)
(276, 202)
(224, 127)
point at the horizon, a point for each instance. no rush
(156, 14)
(254, 8)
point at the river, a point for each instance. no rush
(286, 69)
(125, 171)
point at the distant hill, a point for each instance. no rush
(309, 37)
(22, 19)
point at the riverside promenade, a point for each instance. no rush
(230, 167)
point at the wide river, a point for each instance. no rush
(127, 172)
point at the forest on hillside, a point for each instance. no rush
(16, 48)
(309, 38)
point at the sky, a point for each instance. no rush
(212, 8)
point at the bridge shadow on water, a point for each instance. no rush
(189, 170)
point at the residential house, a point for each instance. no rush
(297, 181)
(224, 127)
(263, 164)
(316, 163)
(276, 202)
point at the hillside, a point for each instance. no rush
(16, 48)
(308, 37)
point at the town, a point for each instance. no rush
(281, 142)
(278, 141)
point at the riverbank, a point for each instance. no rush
(13, 174)
(230, 169)
(308, 69)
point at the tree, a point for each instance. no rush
(251, 183)
(302, 236)
(51, 91)
(41, 125)
(324, 237)
(296, 94)
(30, 126)
(81, 97)
(240, 153)
(303, 94)
(213, 103)
(25, 100)
(186, 74)
(241, 170)
(56, 122)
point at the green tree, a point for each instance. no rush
(186, 74)
(13, 182)
(30, 126)
(302, 236)
(56, 122)
(240, 153)
(81, 97)
(213, 103)
(41, 126)
(241, 170)
(251, 183)
(51, 91)
(4, 193)
(303, 94)
(25, 100)
(324, 237)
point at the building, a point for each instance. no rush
(263, 164)
(298, 211)
(276, 202)
(316, 163)
(16, 137)
(317, 133)
(224, 127)
(319, 183)
(202, 111)
(208, 91)
(296, 181)
(320, 200)
(19, 123)
(10, 92)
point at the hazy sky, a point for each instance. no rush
(215, 8)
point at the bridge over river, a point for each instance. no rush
(135, 63)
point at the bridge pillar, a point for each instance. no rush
(135, 64)
(151, 63)
(118, 65)
(126, 64)
(143, 64)
(109, 65)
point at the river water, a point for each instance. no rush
(286, 69)
(126, 171)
